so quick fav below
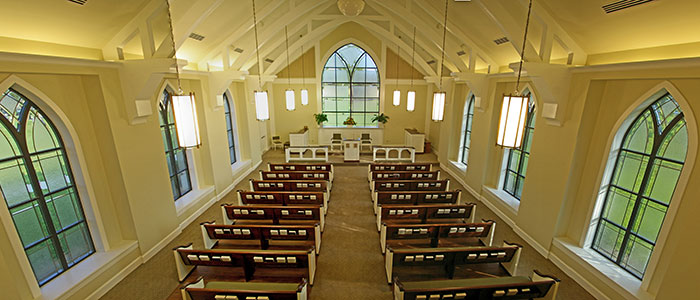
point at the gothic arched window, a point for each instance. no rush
(176, 156)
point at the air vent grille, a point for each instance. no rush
(460, 53)
(500, 41)
(197, 37)
(239, 50)
(81, 2)
(430, 62)
(269, 60)
(623, 4)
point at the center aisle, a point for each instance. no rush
(350, 265)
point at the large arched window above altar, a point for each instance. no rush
(350, 87)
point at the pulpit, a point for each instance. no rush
(351, 150)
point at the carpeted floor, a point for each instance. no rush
(350, 265)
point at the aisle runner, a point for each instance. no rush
(351, 265)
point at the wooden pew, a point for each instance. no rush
(297, 175)
(415, 198)
(450, 263)
(397, 167)
(436, 235)
(425, 214)
(230, 290)
(264, 237)
(230, 264)
(538, 287)
(283, 198)
(275, 215)
(404, 175)
(289, 185)
(302, 167)
(408, 185)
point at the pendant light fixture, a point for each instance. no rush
(304, 91)
(411, 95)
(439, 96)
(262, 108)
(289, 93)
(184, 108)
(397, 92)
(515, 106)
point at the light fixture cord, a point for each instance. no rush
(444, 34)
(398, 55)
(257, 46)
(172, 39)
(303, 83)
(289, 77)
(413, 55)
(522, 53)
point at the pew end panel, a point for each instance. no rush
(209, 241)
(183, 268)
(512, 265)
(227, 220)
(551, 293)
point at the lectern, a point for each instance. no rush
(352, 150)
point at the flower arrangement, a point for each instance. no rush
(350, 122)
(320, 118)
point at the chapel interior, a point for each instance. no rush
(349, 149)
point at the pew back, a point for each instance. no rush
(422, 214)
(213, 233)
(295, 175)
(283, 198)
(227, 290)
(415, 198)
(409, 185)
(307, 214)
(289, 185)
(431, 235)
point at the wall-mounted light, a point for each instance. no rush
(262, 109)
(438, 106)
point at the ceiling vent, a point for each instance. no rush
(196, 37)
(623, 4)
(81, 2)
(430, 62)
(461, 52)
(239, 50)
(502, 40)
(269, 60)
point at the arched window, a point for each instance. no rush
(38, 186)
(230, 130)
(466, 135)
(648, 165)
(350, 87)
(517, 158)
(175, 155)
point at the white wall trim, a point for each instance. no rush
(587, 285)
(112, 282)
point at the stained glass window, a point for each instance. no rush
(176, 156)
(648, 165)
(467, 120)
(230, 129)
(38, 187)
(350, 84)
(516, 165)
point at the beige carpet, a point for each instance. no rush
(350, 265)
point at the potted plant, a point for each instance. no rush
(320, 118)
(350, 122)
(381, 118)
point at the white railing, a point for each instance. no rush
(411, 152)
(297, 153)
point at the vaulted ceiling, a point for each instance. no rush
(562, 31)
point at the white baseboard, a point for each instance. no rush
(116, 279)
(160, 245)
(587, 285)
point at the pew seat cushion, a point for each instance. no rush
(426, 243)
(461, 283)
(273, 245)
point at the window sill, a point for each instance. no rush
(240, 165)
(604, 270)
(80, 274)
(511, 202)
(190, 199)
(459, 165)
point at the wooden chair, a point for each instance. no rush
(277, 142)
(365, 141)
(337, 141)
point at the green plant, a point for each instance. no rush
(381, 118)
(349, 121)
(320, 118)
